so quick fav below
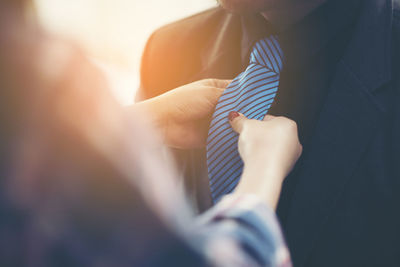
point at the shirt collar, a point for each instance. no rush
(306, 38)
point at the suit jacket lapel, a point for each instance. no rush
(221, 58)
(345, 127)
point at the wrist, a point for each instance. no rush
(153, 110)
(262, 181)
(265, 166)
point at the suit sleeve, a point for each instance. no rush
(241, 231)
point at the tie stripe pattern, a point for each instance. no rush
(250, 93)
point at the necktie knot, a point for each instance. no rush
(268, 53)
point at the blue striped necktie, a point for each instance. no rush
(250, 93)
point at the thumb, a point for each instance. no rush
(236, 120)
(218, 83)
(268, 117)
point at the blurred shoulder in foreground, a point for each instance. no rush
(68, 161)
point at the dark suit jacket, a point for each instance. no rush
(340, 206)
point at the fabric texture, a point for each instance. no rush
(233, 233)
(250, 93)
(87, 205)
(336, 207)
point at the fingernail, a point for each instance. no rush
(232, 115)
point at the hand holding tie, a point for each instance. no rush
(183, 114)
(269, 150)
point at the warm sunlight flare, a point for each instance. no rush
(114, 32)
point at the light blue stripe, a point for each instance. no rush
(262, 89)
(252, 92)
(233, 185)
(228, 158)
(234, 175)
(260, 101)
(227, 152)
(221, 149)
(231, 165)
(269, 64)
(276, 53)
(218, 135)
(239, 79)
(245, 111)
(261, 111)
(237, 105)
(227, 127)
(259, 55)
(248, 79)
(222, 180)
(224, 126)
(274, 61)
(278, 48)
(273, 83)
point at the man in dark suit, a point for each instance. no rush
(340, 82)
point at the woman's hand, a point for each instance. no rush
(269, 150)
(183, 114)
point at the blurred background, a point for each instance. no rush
(114, 32)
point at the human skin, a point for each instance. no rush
(269, 149)
(181, 118)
